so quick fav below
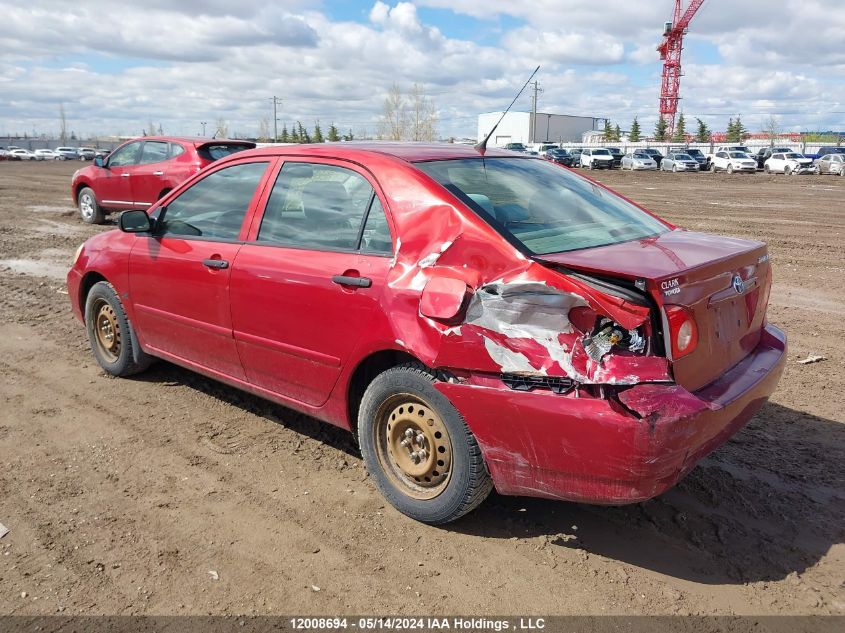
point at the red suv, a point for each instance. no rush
(143, 170)
(476, 320)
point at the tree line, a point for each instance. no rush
(736, 132)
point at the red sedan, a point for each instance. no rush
(476, 321)
(141, 171)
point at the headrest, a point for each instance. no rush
(482, 201)
(325, 201)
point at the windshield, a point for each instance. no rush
(641, 155)
(794, 155)
(543, 207)
(651, 152)
(601, 152)
(695, 152)
(738, 155)
(683, 157)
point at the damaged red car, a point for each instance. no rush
(477, 321)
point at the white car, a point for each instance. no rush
(599, 158)
(789, 163)
(22, 154)
(67, 153)
(46, 154)
(732, 162)
(638, 160)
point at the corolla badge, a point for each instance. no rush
(738, 284)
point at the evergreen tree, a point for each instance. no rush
(294, 135)
(318, 133)
(740, 131)
(349, 137)
(680, 135)
(703, 134)
(608, 131)
(730, 131)
(660, 129)
(617, 133)
(302, 133)
(333, 136)
(634, 135)
(285, 137)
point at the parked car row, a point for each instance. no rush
(729, 158)
(60, 153)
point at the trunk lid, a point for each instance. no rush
(723, 281)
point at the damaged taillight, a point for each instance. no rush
(603, 334)
(683, 331)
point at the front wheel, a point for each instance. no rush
(110, 333)
(730, 169)
(787, 170)
(89, 210)
(674, 169)
(767, 169)
(417, 447)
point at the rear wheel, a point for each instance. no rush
(89, 210)
(110, 333)
(713, 167)
(674, 169)
(730, 169)
(417, 448)
(767, 169)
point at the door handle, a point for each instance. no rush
(217, 264)
(358, 282)
(158, 173)
(124, 175)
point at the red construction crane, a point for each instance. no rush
(670, 52)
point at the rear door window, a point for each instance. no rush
(153, 152)
(323, 207)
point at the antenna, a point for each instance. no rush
(482, 146)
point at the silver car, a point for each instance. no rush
(831, 164)
(638, 160)
(678, 162)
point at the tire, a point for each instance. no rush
(402, 400)
(730, 169)
(89, 210)
(766, 169)
(713, 168)
(787, 171)
(817, 171)
(113, 342)
(674, 169)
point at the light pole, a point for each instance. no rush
(202, 123)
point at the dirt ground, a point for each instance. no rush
(123, 496)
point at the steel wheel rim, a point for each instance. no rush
(86, 205)
(405, 425)
(106, 330)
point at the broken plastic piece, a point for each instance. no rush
(3, 530)
(812, 358)
(443, 297)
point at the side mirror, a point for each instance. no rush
(135, 222)
(98, 161)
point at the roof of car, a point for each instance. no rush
(410, 152)
(198, 140)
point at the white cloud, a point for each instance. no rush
(116, 66)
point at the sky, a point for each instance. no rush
(117, 67)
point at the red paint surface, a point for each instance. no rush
(274, 324)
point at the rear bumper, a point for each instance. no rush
(593, 450)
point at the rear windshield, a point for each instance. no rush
(216, 151)
(543, 207)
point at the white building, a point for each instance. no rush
(521, 127)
